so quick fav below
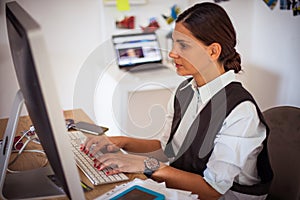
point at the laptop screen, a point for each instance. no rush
(136, 49)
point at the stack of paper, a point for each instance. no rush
(169, 193)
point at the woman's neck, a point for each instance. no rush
(208, 75)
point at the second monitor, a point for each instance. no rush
(139, 51)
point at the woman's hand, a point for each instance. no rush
(120, 163)
(93, 144)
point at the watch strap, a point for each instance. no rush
(148, 173)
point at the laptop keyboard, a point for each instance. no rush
(147, 67)
(86, 163)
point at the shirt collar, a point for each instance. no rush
(208, 90)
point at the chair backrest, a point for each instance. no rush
(284, 151)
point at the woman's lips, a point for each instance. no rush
(177, 65)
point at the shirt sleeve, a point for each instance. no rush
(239, 140)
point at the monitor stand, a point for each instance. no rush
(31, 184)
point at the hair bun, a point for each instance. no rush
(233, 62)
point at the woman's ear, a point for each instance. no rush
(215, 50)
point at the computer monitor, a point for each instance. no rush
(37, 91)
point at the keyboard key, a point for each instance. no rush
(86, 163)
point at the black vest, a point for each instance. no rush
(198, 144)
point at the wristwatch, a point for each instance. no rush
(151, 165)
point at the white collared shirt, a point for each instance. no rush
(237, 144)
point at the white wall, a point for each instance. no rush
(268, 43)
(72, 29)
(274, 67)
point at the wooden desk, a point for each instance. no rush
(34, 160)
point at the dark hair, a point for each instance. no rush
(210, 23)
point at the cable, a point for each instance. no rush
(27, 151)
(31, 136)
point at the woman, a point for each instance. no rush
(215, 135)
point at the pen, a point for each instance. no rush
(85, 186)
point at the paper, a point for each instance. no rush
(123, 5)
(271, 3)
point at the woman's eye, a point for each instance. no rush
(182, 45)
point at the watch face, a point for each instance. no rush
(152, 164)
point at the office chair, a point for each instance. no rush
(284, 152)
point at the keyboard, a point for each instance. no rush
(86, 163)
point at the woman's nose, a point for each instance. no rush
(173, 54)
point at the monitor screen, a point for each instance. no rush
(136, 49)
(33, 72)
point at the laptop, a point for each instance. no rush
(138, 51)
